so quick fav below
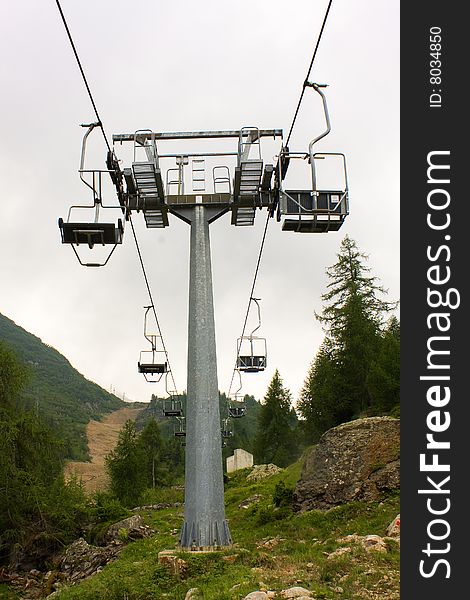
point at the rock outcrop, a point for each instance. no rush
(358, 460)
(130, 529)
(262, 471)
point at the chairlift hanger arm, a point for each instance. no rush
(316, 87)
(82, 170)
(256, 301)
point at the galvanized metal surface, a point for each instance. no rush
(185, 135)
(205, 524)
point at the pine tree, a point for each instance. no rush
(344, 379)
(150, 440)
(275, 440)
(126, 466)
(383, 381)
(318, 404)
(353, 316)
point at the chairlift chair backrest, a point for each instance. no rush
(236, 412)
(172, 407)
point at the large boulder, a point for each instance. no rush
(358, 460)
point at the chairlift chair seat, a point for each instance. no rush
(251, 364)
(325, 214)
(152, 368)
(236, 412)
(91, 233)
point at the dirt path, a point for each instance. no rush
(102, 437)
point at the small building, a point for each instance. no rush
(241, 459)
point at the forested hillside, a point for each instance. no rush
(61, 395)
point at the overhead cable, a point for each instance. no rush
(258, 262)
(308, 72)
(64, 21)
(130, 219)
(139, 253)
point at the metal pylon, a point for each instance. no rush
(204, 525)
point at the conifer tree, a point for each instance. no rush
(275, 440)
(383, 381)
(347, 377)
(126, 466)
(150, 440)
(318, 403)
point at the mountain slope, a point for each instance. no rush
(64, 398)
(102, 438)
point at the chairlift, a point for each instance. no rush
(236, 404)
(252, 350)
(153, 363)
(172, 407)
(180, 427)
(236, 412)
(226, 431)
(98, 232)
(316, 210)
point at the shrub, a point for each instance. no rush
(283, 495)
(106, 508)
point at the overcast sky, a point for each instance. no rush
(183, 66)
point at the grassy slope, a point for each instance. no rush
(296, 556)
(65, 399)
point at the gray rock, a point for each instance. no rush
(296, 592)
(358, 460)
(193, 594)
(262, 471)
(132, 528)
(249, 501)
(82, 559)
(257, 596)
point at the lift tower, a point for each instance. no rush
(204, 525)
(239, 188)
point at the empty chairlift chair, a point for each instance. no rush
(236, 402)
(153, 363)
(316, 210)
(180, 428)
(251, 350)
(226, 430)
(96, 231)
(236, 411)
(172, 407)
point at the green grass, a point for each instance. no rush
(7, 594)
(268, 552)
